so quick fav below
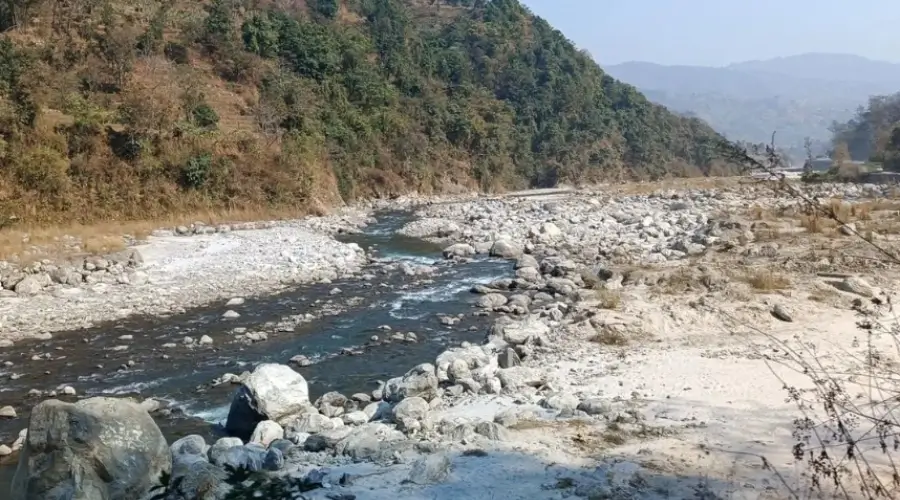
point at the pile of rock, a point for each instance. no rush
(638, 229)
(117, 268)
(198, 228)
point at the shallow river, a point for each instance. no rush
(96, 361)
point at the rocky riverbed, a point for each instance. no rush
(639, 349)
(175, 270)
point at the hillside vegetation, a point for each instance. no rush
(799, 96)
(134, 109)
(873, 134)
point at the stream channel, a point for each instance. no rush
(97, 362)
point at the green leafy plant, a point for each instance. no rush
(196, 171)
(204, 116)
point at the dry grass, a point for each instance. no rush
(591, 280)
(766, 234)
(611, 337)
(674, 184)
(765, 280)
(840, 210)
(874, 213)
(26, 244)
(609, 299)
(814, 224)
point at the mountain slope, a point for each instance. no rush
(799, 96)
(139, 108)
(831, 67)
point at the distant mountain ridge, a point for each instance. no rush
(797, 96)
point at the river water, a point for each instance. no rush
(96, 361)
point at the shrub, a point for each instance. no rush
(260, 35)
(765, 280)
(196, 171)
(204, 116)
(327, 8)
(177, 53)
(43, 170)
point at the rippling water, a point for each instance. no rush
(94, 363)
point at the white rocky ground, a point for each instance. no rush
(175, 270)
(646, 353)
(678, 393)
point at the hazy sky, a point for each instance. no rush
(718, 32)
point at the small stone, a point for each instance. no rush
(595, 406)
(430, 469)
(782, 313)
(7, 412)
(301, 360)
(237, 301)
(857, 286)
(229, 314)
(5, 451)
(69, 390)
(355, 418)
(206, 340)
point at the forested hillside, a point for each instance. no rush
(874, 133)
(142, 108)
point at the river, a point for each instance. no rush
(97, 361)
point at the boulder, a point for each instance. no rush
(851, 284)
(217, 450)
(529, 274)
(528, 331)
(505, 250)
(310, 423)
(492, 431)
(272, 392)
(491, 301)
(189, 445)
(331, 404)
(30, 285)
(595, 406)
(358, 417)
(420, 381)
(520, 376)
(430, 469)
(459, 250)
(97, 448)
(429, 228)
(466, 359)
(561, 401)
(526, 261)
(414, 408)
(368, 442)
(266, 432)
(197, 479)
(248, 457)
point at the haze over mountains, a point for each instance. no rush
(797, 96)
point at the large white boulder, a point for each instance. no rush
(272, 392)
